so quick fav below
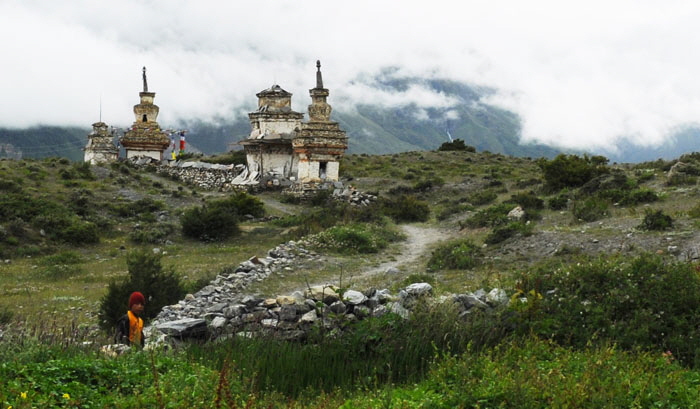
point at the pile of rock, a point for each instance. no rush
(293, 316)
(353, 196)
(203, 175)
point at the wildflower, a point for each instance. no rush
(23, 395)
(66, 396)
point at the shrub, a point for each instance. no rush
(152, 233)
(456, 145)
(240, 204)
(460, 254)
(637, 196)
(490, 217)
(528, 200)
(405, 208)
(80, 232)
(356, 238)
(209, 223)
(608, 301)
(427, 184)
(681, 179)
(229, 158)
(136, 208)
(145, 274)
(656, 220)
(482, 197)
(504, 232)
(64, 257)
(571, 170)
(558, 202)
(590, 209)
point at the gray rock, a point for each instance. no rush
(496, 296)
(419, 289)
(354, 297)
(288, 313)
(309, 317)
(338, 307)
(218, 322)
(184, 328)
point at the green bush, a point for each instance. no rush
(152, 233)
(64, 257)
(218, 219)
(355, 238)
(405, 208)
(527, 200)
(656, 220)
(209, 223)
(590, 209)
(240, 204)
(459, 254)
(456, 145)
(490, 217)
(642, 303)
(425, 185)
(229, 158)
(137, 208)
(482, 197)
(641, 195)
(506, 231)
(160, 286)
(558, 202)
(681, 179)
(571, 170)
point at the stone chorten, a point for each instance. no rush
(145, 138)
(321, 143)
(273, 125)
(100, 147)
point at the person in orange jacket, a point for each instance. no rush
(130, 325)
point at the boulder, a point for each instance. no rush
(353, 297)
(326, 293)
(419, 289)
(497, 296)
(184, 328)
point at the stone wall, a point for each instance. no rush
(223, 308)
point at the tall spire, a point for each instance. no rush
(145, 84)
(319, 79)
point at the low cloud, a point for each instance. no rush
(585, 76)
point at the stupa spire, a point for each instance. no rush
(145, 83)
(319, 78)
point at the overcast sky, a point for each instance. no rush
(580, 74)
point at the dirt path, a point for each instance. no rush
(417, 241)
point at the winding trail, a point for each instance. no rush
(417, 241)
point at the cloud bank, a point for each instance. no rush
(582, 76)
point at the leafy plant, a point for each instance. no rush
(590, 209)
(506, 231)
(459, 254)
(405, 208)
(490, 217)
(656, 220)
(146, 274)
(607, 300)
(456, 145)
(572, 170)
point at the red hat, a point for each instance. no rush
(136, 298)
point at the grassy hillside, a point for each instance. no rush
(601, 269)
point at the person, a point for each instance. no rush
(130, 325)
